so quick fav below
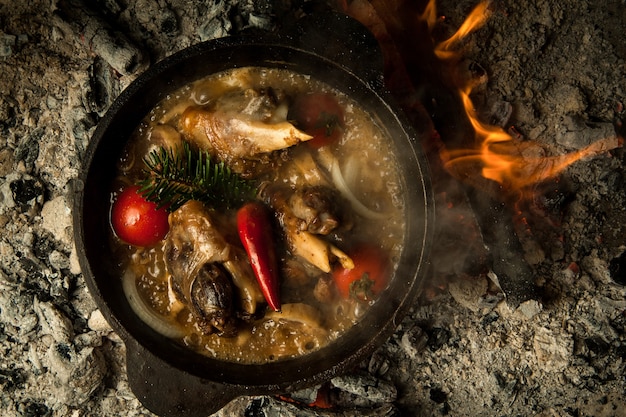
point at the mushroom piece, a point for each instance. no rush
(297, 312)
(315, 250)
(300, 325)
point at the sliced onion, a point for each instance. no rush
(145, 313)
(343, 188)
(350, 170)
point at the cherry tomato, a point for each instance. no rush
(369, 276)
(319, 115)
(136, 220)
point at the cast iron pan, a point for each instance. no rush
(167, 378)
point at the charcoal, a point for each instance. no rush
(373, 389)
(79, 373)
(112, 45)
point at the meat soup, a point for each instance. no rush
(283, 212)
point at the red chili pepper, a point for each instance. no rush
(255, 232)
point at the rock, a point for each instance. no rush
(306, 395)
(552, 350)
(7, 42)
(82, 302)
(78, 374)
(378, 364)
(597, 268)
(478, 294)
(6, 162)
(57, 219)
(214, 28)
(414, 341)
(97, 322)
(529, 309)
(469, 291)
(22, 192)
(575, 133)
(54, 322)
(366, 386)
(74, 262)
(17, 311)
(59, 260)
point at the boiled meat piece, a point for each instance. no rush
(204, 265)
(242, 124)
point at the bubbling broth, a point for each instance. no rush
(317, 194)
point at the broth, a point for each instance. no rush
(342, 193)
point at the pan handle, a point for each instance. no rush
(342, 40)
(171, 392)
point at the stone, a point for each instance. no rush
(414, 341)
(529, 309)
(79, 374)
(54, 322)
(366, 386)
(57, 219)
(553, 350)
(97, 322)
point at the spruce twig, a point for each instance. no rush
(177, 175)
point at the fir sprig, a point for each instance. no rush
(180, 174)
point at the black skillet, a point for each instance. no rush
(169, 379)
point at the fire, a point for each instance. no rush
(475, 20)
(410, 55)
(429, 15)
(512, 163)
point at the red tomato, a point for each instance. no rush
(369, 276)
(319, 115)
(136, 220)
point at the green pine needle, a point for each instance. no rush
(177, 175)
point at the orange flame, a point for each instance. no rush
(496, 157)
(429, 15)
(515, 164)
(477, 17)
(512, 163)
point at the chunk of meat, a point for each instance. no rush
(310, 247)
(231, 135)
(321, 209)
(195, 241)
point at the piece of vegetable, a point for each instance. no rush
(344, 189)
(319, 115)
(369, 276)
(255, 232)
(136, 220)
(160, 324)
(177, 175)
